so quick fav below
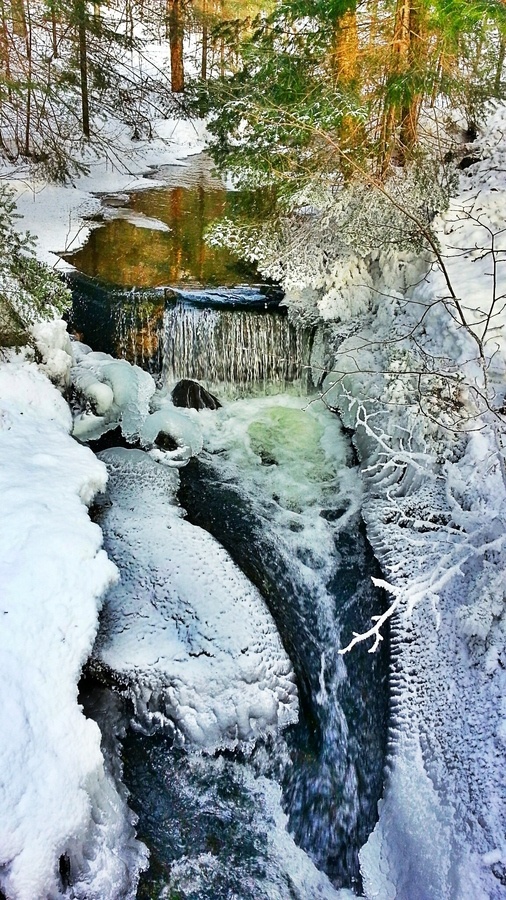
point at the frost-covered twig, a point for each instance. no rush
(379, 621)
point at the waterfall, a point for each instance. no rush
(240, 350)
(276, 485)
(235, 341)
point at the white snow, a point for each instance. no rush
(118, 393)
(184, 628)
(56, 796)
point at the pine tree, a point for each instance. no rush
(29, 290)
(326, 86)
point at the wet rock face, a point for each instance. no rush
(192, 395)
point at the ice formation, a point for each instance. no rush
(115, 393)
(180, 426)
(183, 628)
(58, 800)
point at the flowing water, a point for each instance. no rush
(276, 484)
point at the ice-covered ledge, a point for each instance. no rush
(58, 801)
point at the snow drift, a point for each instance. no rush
(63, 819)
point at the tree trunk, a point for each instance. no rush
(129, 21)
(203, 66)
(411, 110)
(344, 52)
(500, 65)
(4, 51)
(176, 33)
(399, 122)
(222, 42)
(54, 34)
(29, 72)
(83, 65)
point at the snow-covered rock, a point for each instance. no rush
(114, 392)
(183, 627)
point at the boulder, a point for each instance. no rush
(192, 395)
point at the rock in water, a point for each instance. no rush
(192, 395)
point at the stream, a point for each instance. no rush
(282, 816)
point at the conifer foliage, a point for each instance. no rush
(339, 86)
(29, 290)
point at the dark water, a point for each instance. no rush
(210, 821)
(332, 779)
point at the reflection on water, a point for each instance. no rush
(139, 337)
(136, 255)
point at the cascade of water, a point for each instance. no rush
(236, 341)
(276, 489)
(285, 508)
(239, 350)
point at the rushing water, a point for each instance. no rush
(234, 340)
(287, 516)
(276, 485)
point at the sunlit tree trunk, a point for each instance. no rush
(175, 17)
(400, 120)
(344, 70)
(344, 52)
(410, 113)
(222, 42)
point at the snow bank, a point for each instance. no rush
(183, 628)
(53, 343)
(57, 799)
